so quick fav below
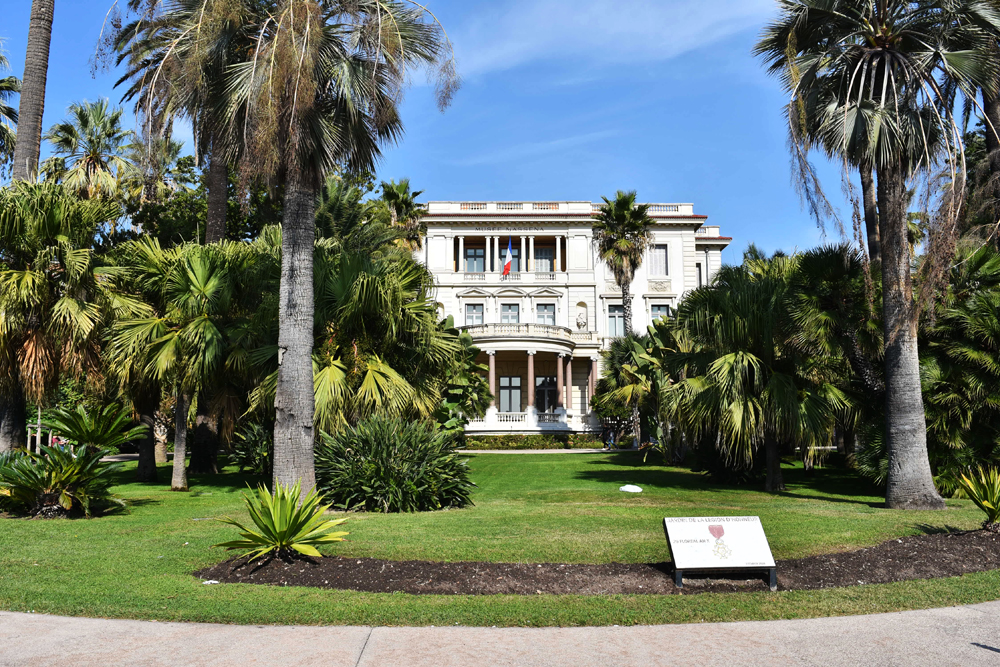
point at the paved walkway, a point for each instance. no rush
(950, 636)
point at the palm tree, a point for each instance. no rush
(184, 345)
(9, 86)
(32, 103)
(318, 90)
(908, 60)
(55, 297)
(89, 150)
(170, 75)
(404, 212)
(621, 233)
(750, 381)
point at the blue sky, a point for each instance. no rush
(564, 99)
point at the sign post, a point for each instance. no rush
(718, 543)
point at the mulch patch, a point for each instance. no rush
(906, 558)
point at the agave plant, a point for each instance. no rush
(58, 481)
(108, 428)
(983, 488)
(285, 528)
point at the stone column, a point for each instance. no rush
(461, 254)
(531, 379)
(497, 255)
(493, 376)
(591, 381)
(569, 382)
(558, 266)
(560, 381)
(531, 253)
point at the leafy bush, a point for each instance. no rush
(983, 488)
(285, 527)
(107, 428)
(253, 449)
(534, 441)
(389, 465)
(58, 482)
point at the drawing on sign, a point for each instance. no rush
(721, 550)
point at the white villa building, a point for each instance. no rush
(542, 327)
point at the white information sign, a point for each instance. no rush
(699, 543)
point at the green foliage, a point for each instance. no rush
(104, 429)
(983, 488)
(389, 465)
(467, 393)
(284, 526)
(621, 232)
(534, 441)
(253, 449)
(58, 481)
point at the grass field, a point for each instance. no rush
(529, 508)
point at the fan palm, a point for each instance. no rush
(404, 212)
(621, 233)
(908, 60)
(184, 345)
(9, 86)
(89, 150)
(55, 296)
(750, 384)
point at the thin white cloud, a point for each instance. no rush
(509, 33)
(535, 149)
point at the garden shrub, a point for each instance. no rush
(103, 429)
(285, 528)
(534, 441)
(59, 482)
(389, 465)
(983, 488)
(253, 449)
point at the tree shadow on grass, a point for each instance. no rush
(223, 482)
(630, 469)
(832, 499)
(928, 529)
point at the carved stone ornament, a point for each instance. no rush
(659, 286)
(581, 321)
(612, 287)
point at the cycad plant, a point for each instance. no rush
(57, 481)
(286, 525)
(104, 429)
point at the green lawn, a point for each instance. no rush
(530, 507)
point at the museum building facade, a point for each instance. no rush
(542, 326)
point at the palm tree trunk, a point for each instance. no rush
(870, 202)
(627, 307)
(147, 401)
(205, 449)
(159, 438)
(294, 403)
(12, 419)
(32, 104)
(910, 484)
(179, 480)
(774, 481)
(991, 106)
(218, 197)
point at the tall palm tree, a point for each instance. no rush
(55, 296)
(404, 212)
(32, 103)
(177, 63)
(90, 150)
(621, 233)
(319, 89)
(908, 60)
(9, 86)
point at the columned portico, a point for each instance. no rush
(531, 378)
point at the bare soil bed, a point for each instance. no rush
(913, 557)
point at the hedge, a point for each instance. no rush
(534, 441)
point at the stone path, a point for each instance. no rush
(940, 637)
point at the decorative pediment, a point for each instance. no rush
(511, 291)
(473, 292)
(546, 291)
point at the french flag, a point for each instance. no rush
(507, 260)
